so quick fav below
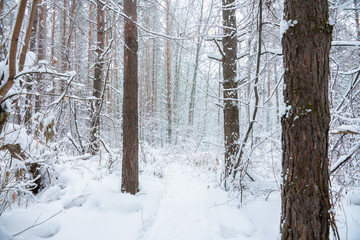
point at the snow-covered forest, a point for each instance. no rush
(179, 119)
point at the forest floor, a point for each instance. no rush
(177, 200)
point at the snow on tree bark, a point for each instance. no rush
(11, 62)
(230, 84)
(305, 126)
(98, 80)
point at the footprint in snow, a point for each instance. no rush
(75, 202)
(49, 230)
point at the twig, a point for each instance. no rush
(38, 224)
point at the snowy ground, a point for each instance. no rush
(177, 201)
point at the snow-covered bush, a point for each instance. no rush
(25, 167)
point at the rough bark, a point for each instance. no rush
(98, 80)
(305, 126)
(230, 84)
(130, 179)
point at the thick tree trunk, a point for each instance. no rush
(305, 126)
(98, 80)
(130, 179)
(230, 84)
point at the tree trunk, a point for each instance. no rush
(70, 32)
(63, 60)
(29, 85)
(41, 48)
(11, 63)
(98, 80)
(168, 75)
(52, 51)
(9, 82)
(130, 179)
(250, 128)
(3, 50)
(147, 73)
(197, 56)
(90, 57)
(27, 35)
(305, 126)
(230, 84)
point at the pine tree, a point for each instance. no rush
(130, 178)
(305, 126)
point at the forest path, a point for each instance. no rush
(182, 213)
(186, 211)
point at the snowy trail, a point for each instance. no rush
(185, 204)
(183, 213)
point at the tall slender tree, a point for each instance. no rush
(3, 50)
(230, 84)
(7, 83)
(41, 46)
(168, 75)
(305, 126)
(130, 178)
(98, 79)
(196, 66)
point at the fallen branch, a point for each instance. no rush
(38, 224)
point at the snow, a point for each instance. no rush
(348, 220)
(4, 69)
(43, 62)
(285, 25)
(346, 128)
(178, 199)
(345, 43)
(48, 120)
(16, 134)
(30, 59)
(191, 209)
